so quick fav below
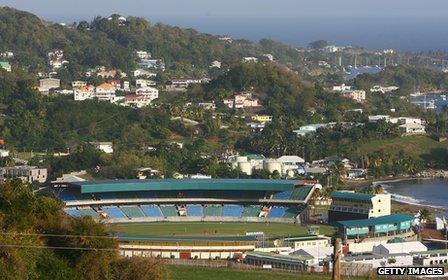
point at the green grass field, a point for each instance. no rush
(203, 273)
(214, 229)
(411, 145)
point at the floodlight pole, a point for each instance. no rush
(337, 260)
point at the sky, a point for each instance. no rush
(401, 24)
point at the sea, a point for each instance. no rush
(424, 192)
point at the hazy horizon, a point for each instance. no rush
(403, 25)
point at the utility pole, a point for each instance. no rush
(337, 260)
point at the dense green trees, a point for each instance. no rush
(111, 43)
(34, 231)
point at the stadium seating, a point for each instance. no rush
(88, 211)
(114, 212)
(292, 212)
(277, 212)
(145, 195)
(132, 211)
(169, 210)
(66, 195)
(72, 212)
(251, 211)
(151, 210)
(194, 210)
(125, 195)
(282, 195)
(108, 195)
(213, 210)
(300, 193)
(232, 210)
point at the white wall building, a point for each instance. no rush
(84, 93)
(342, 87)
(381, 260)
(144, 83)
(356, 95)
(149, 92)
(26, 173)
(399, 248)
(106, 147)
(143, 73)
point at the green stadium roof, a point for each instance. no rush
(352, 196)
(383, 220)
(184, 185)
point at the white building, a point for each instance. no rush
(399, 248)
(381, 260)
(313, 241)
(412, 129)
(377, 118)
(26, 173)
(5, 66)
(242, 100)
(144, 83)
(136, 101)
(106, 147)
(317, 253)
(290, 163)
(283, 165)
(4, 153)
(105, 92)
(157, 64)
(184, 83)
(45, 85)
(333, 49)
(311, 128)
(268, 57)
(84, 93)
(249, 59)
(215, 64)
(341, 88)
(143, 54)
(356, 95)
(149, 92)
(382, 89)
(143, 73)
(78, 84)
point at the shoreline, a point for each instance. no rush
(402, 205)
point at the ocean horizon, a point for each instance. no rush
(400, 33)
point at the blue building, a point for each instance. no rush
(375, 227)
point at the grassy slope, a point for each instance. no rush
(411, 145)
(214, 229)
(202, 273)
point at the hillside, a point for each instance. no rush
(109, 42)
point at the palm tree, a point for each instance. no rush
(425, 215)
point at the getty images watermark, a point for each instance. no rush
(418, 271)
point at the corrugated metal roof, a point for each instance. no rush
(352, 196)
(185, 184)
(389, 219)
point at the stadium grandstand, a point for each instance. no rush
(232, 200)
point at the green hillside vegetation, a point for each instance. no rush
(108, 43)
(35, 231)
(409, 79)
(419, 147)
